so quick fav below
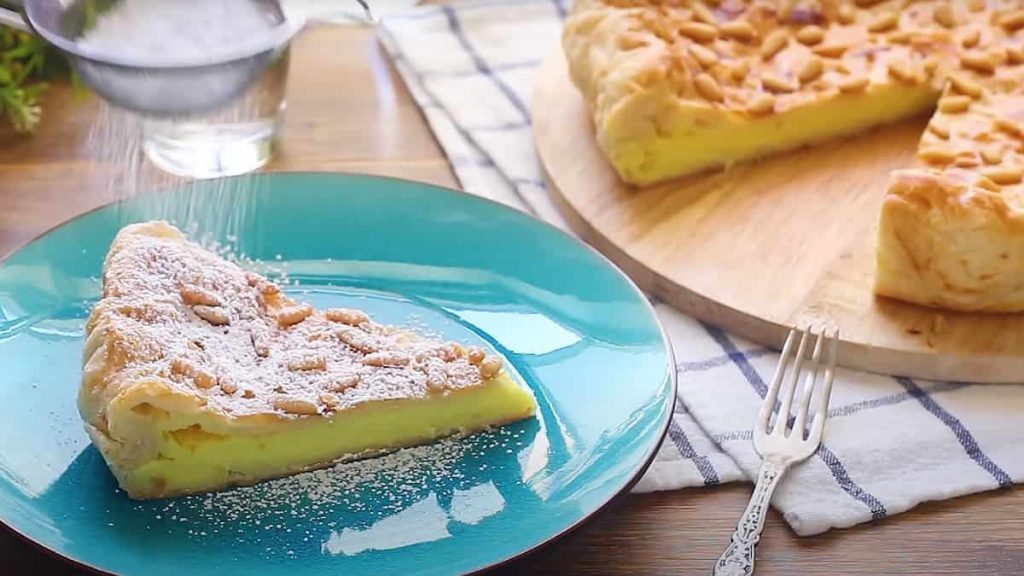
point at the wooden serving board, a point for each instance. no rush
(764, 246)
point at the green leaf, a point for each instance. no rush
(18, 52)
(25, 61)
(34, 91)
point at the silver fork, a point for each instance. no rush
(779, 445)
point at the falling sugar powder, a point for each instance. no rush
(222, 208)
(179, 29)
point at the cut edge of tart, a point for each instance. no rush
(948, 240)
(199, 376)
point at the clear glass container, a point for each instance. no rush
(236, 139)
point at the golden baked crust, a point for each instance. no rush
(951, 234)
(768, 75)
(186, 346)
(947, 242)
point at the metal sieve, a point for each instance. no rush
(158, 87)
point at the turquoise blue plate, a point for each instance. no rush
(572, 327)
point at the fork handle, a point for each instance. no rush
(738, 558)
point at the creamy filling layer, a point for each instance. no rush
(648, 141)
(196, 453)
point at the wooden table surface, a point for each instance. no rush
(348, 111)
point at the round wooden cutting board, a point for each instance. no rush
(764, 246)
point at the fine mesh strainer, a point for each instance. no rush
(163, 87)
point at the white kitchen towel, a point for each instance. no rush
(348, 12)
(890, 443)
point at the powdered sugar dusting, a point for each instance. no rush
(310, 502)
(303, 495)
(244, 347)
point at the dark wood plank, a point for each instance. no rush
(683, 532)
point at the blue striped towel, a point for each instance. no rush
(890, 444)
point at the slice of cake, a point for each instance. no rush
(952, 232)
(199, 375)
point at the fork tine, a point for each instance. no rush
(765, 417)
(782, 418)
(818, 422)
(808, 389)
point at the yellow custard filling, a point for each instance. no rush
(191, 453)
(651, 139)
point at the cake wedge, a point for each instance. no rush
(199, 375)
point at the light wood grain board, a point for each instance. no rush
(764, 246)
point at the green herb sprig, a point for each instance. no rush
(26, 62)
